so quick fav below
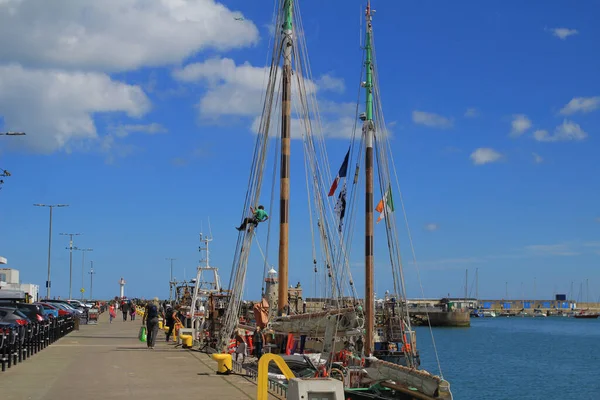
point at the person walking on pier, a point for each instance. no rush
(132, 310)
(169, 318)
(125, 310)
(151, 320)
(111, 313)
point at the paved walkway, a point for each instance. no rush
(107, 361)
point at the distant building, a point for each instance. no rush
(9, 280)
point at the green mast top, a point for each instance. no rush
(369, 64)
(287, 23)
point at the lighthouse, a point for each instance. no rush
(122, 288)
(271, 288)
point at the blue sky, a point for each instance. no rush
(141, 120)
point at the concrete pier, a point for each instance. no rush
(107, 361)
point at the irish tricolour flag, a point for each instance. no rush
(386, 205)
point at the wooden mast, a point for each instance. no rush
(284, 193)
(369, 131)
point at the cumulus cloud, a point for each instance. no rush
(117, 35)
(485, 155)
(238, 90)
(329, 82)
(431, 120)
(57, 56)
(55, 107)
(581, 104)
(520, 124)
(567, 131)
(563, 33)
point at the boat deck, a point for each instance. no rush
(107, 361)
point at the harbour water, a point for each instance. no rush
(517, 358)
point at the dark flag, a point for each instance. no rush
(341, 174)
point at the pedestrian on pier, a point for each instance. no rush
(151, 321)
(111, 313)
(125, 310)
(169, 318)
(132, 311)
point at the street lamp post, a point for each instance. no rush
(171, 278)
(91, 280)
(70, 248)
(83, 251)
(51, 206)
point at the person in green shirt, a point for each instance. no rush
(260, 215)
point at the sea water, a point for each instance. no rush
(517, 358)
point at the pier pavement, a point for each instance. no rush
(107, 361)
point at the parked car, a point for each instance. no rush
(13, 315)
(32, 311)
(77, 304)
(66, 304)
(48, 310)
(61, 308)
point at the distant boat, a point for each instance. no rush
(586, 315)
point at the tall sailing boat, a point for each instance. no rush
(345, 328)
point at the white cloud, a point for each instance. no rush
(485, 155)
(117, 35)
(328, 82)
(432, 227)
(566, 131)
(127, 129)
(598, 220)
(581, 104)
(563, 33)
(520, 124)
(238, 90)
(431, 120)
(471, 113)
(537, 158)
(551, 250)
(56, 108)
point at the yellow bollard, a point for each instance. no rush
(187, 340)
(224, 363)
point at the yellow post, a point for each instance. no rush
(224, 363)
(262, 392)
(188, 340)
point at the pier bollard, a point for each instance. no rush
(224, 363)
(188, 341)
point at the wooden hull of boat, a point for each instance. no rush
(427, 384)
(587, 316)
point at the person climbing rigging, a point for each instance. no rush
(260, 215)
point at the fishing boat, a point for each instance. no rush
(375, 360)
(584, 314)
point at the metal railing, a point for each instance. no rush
(276, 388)
(20, 342)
